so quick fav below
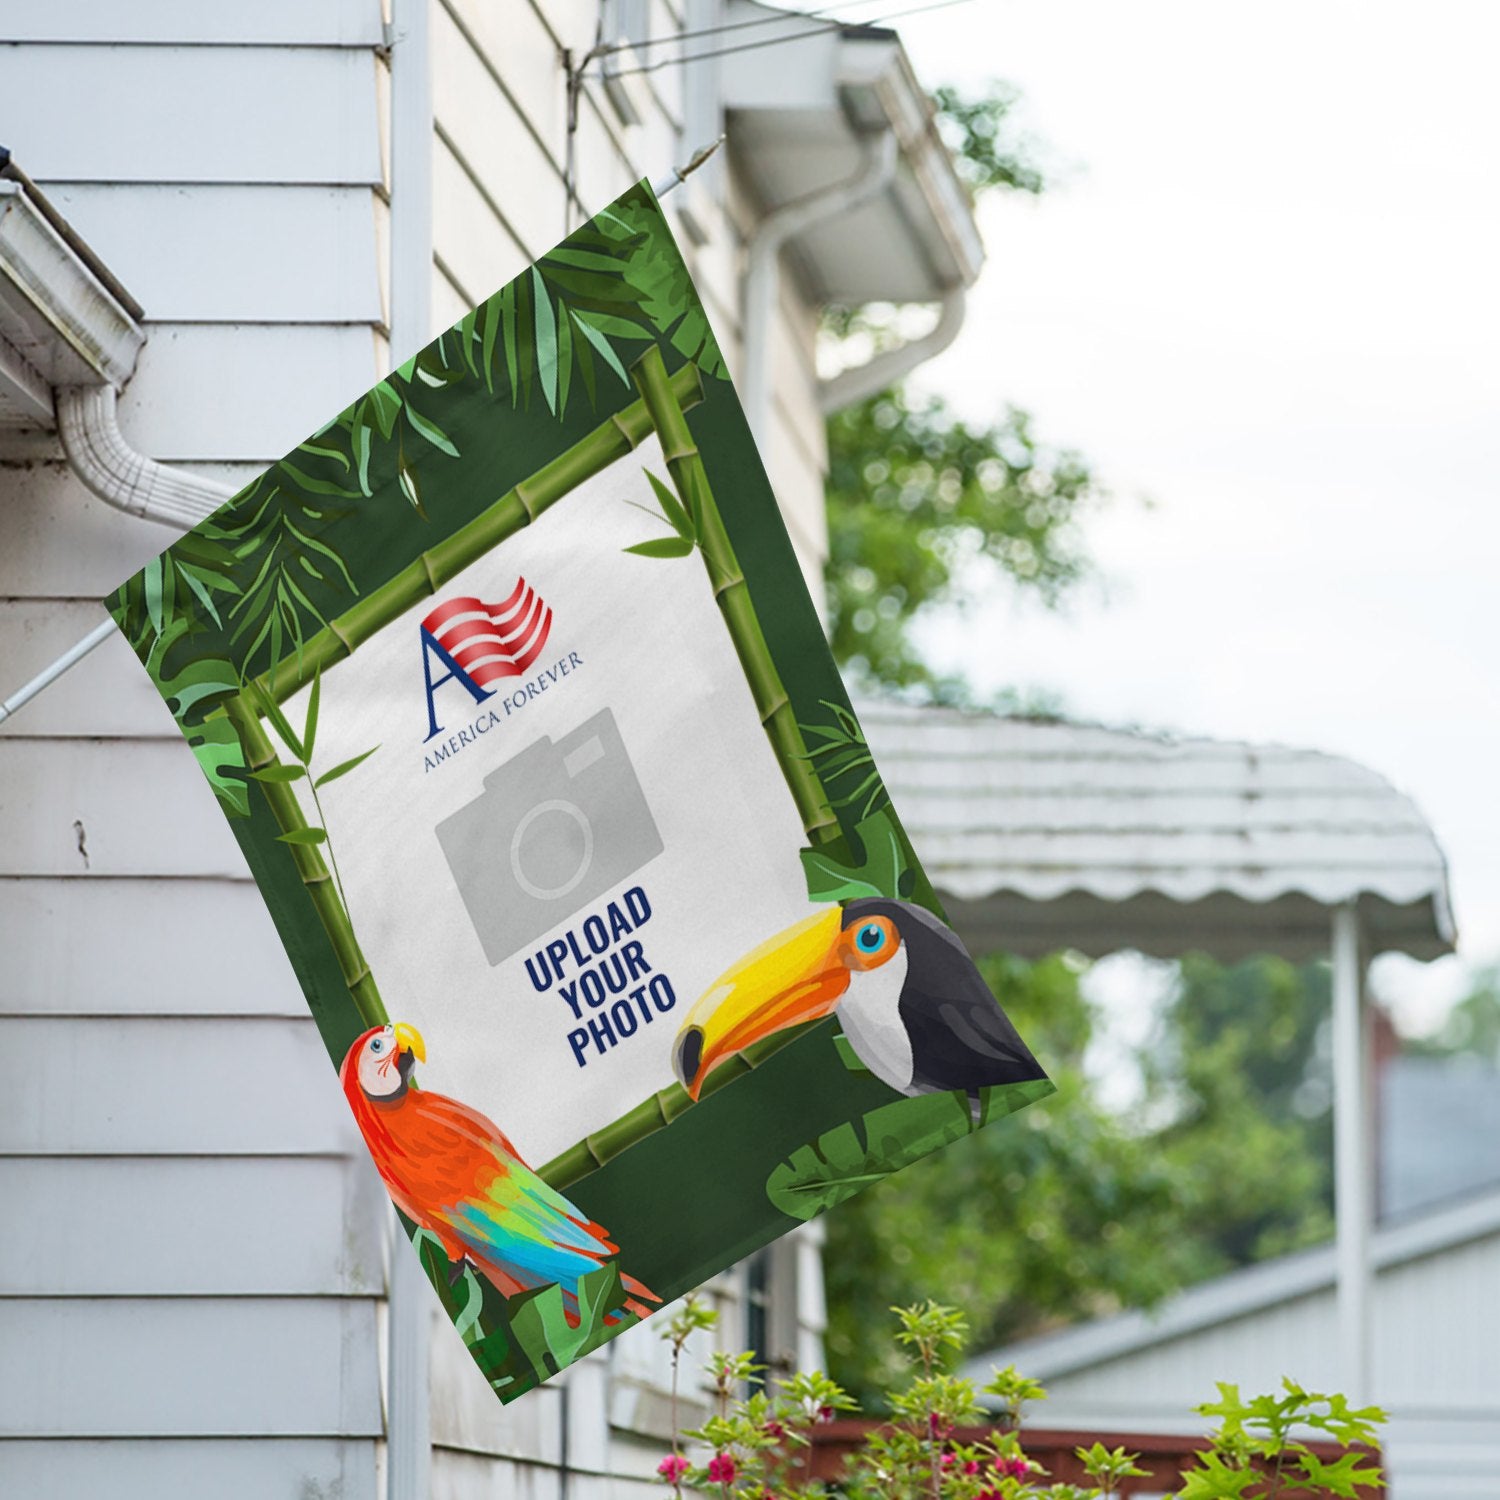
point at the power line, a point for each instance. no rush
(687, 36)
(776, 41)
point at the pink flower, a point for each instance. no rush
(825, 1414)
(938, 1425)
(773, 1428)
(948, 1461)
(673, 1467)
(1014, 1468)
(721, 1469)
(972, 1466)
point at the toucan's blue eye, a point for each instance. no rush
(870, 938)
(376, 1045)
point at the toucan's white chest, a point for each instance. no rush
(870, 1015)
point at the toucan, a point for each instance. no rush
(908, 997)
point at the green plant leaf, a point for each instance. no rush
(546, 339)
(430, 431)
(271, 710)
(277, 774)
(662, 546)
(601, 344)
(344, 767)
(310, 729)
(466, 1321)
(851, 1157)
(883, 871)
(303, 836)
(219, 753)
(672, 509)
(411, 487)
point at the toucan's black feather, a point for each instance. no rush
(960, 1037)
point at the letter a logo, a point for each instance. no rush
(475, 643)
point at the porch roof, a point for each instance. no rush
(1045, 834)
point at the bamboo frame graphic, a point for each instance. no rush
(662, 407)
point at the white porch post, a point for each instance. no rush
(1352, 1156)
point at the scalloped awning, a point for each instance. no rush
(1042, 835)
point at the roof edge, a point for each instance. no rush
(1239, 1294)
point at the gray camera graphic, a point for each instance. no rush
(555, 826)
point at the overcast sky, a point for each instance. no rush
(1264, 294)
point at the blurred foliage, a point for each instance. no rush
(916, 498)
(980, 133)
(923, 505)
(1071, 1211)
(1471, 1028)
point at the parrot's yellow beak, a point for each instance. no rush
(798, 975)
(409, 1039)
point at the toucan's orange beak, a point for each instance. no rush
(409, 1039)
(799, 975)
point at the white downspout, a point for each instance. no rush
(408, 1420)
(99, 455)
(863, 381)
(763, 268)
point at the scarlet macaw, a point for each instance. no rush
(453, 1172)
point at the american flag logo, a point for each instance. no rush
(492, 640)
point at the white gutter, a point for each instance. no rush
(763, 266)
(863, 381)
(120, 476)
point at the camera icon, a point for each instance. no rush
(556, 826)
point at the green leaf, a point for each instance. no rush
(153, 579)
(362, 455)
(466, 1322)
(279, 773)
(564, 357)
(849, 1158)
(303, 836)
(430, 431)
(310, 731)
(406, 475)
(602, 344)
(219, 753)
(546, 339)
(344, 767)
(271, 710)
(313, 485)
(663, 546)
(1343, 1477)
(881, 872)
(847, 1055)
(671, 508)
(387, 403)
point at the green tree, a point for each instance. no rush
(919, 498)
(1070, 1211)
(1471, 1028)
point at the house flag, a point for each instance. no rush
(509, 684)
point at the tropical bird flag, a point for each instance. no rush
(509, 684)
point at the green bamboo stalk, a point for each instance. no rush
(732, 595)
(652, 1114)
(512, 512)
(259, 754)
(772, 702)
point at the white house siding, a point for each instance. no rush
(192, 1267)
(500, 108)
(191, 1293)
(1436, 1370)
